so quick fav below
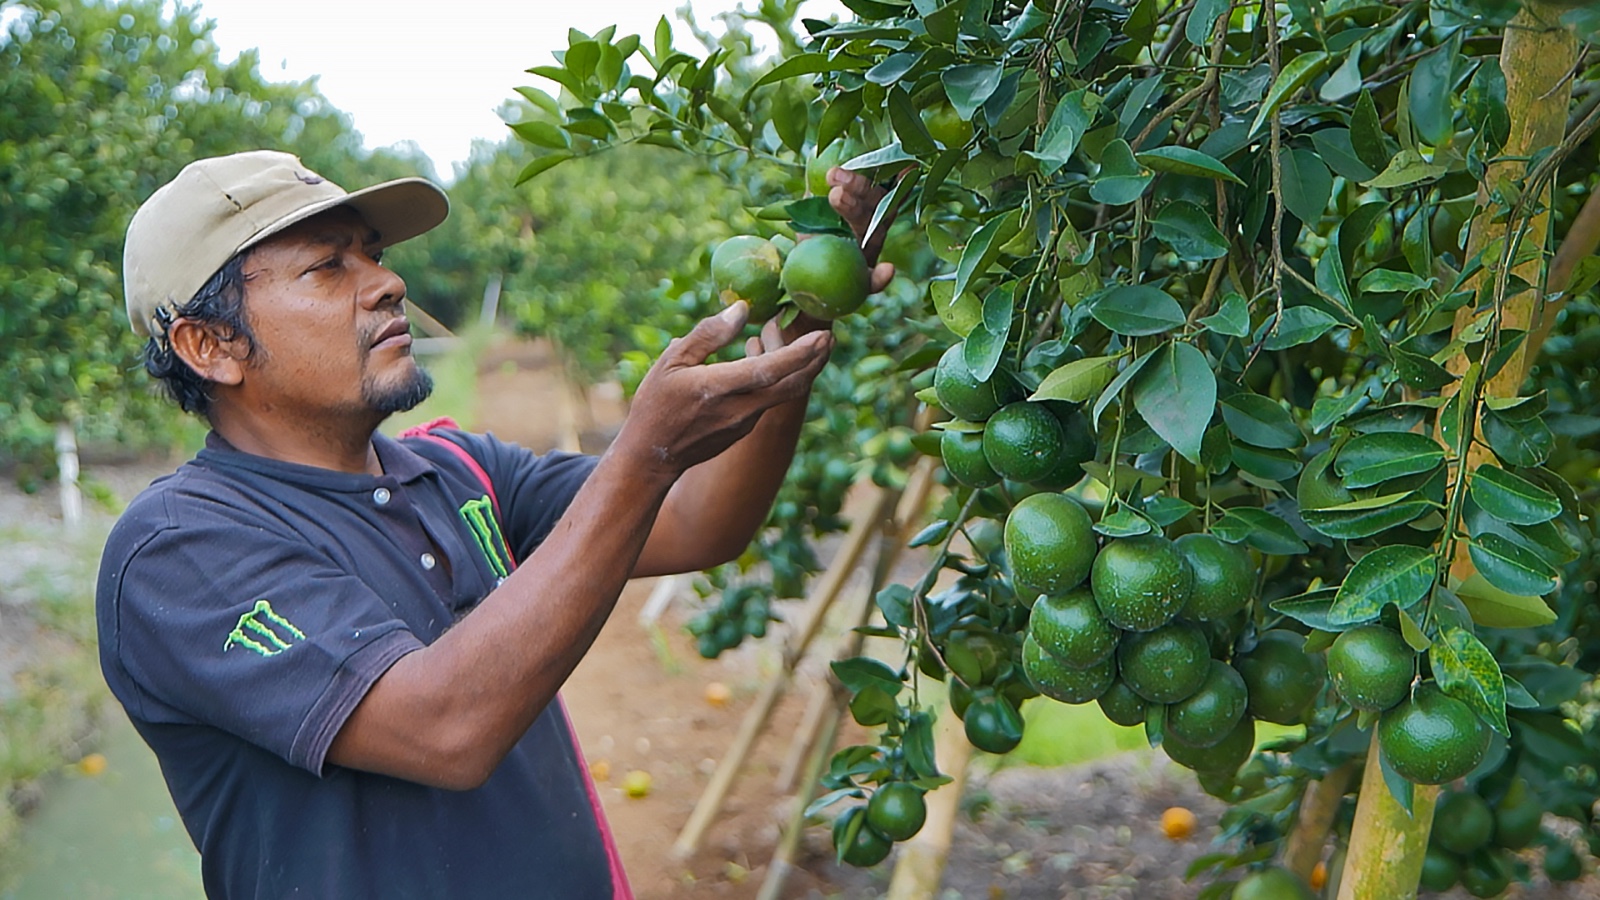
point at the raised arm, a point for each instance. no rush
(715, 508)
(446, 715)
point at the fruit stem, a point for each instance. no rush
(1387, 844)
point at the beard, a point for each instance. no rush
(388, 399)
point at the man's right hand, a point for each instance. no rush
(687, 412)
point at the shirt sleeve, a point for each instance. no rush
(208, 620)
(534, 489)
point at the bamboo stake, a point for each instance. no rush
(1317, 811)
(817, 708)
(921, 865)
(783, 858)
(826, 590)
(1388, 842)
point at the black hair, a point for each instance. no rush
(218, 304)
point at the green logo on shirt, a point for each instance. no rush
(485, 528)
(263, 631)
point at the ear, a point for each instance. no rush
(207, 350)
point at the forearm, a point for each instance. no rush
(448, 713)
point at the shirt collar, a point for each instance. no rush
(399, 462)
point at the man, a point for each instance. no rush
(286, 618)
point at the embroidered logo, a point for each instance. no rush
(263, 631)
(485, 528)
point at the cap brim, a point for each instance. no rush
(398, 210)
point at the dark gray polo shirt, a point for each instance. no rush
(246, 605)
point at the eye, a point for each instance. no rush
(377, 256)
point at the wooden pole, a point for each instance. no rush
(920, 869)
(817, 708)
(1318, 808)
(67, 476)
(823, 595)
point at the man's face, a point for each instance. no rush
(331, 335)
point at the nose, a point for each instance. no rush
(385, 287)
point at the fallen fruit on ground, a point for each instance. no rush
(1178, 823)
(637, 783)
(717, 693)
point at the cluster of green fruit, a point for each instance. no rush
(1427, 736)
(1148, 635)
(1473, 841)
(998, 436)
(825, 275)
(744, 609)
(864, 834)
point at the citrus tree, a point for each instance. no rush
(1260, 332)
(104, 102)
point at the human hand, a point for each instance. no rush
(855, 198)
(686, 412)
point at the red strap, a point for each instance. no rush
(426, 431)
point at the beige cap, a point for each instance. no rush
(195, 223)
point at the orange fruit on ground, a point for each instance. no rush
(92, 765)
(600, 770)
(717, 693)
(1178, 824)
(637, 784)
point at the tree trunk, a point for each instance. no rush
(1318, 809)
(1537, 57)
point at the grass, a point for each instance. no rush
(1062, 735)
(55, 702)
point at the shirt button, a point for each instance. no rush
(428, 561)
(380, 496)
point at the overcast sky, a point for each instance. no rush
(432, 73)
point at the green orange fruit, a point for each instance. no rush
(1122, 706)
(1140, 582)
(1071, 628)
(1440, 870)
(1224, 578)
(865, 847)
(1165, 665)
(1273, 884)
(1061, 682)
(962, 453)
(897, 810)
(1462, 822)
(1431, 737)
(1227, 755)
(1210, 714)
(1282, 678)
(1372, 667)
(747, 267)
(993, 724)
(1050, 542)
(818, 164)
(960, 392)
(1023, 441)
(827, 276)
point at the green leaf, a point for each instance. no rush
(1345, 80)
(1300, 325)
(540, 99)
(1412, 632)
(1336, 149)
(1310, 609)
(1118, 383)
(1512, 498)
(1397, 574)
(1184, 161)
(837, 117)
(1066, 128)
(1494, 608)
(1365, 518)
(1509, 567)
(808, 64)
(1261, 422)
(1202, 22)
(790, 118)
(1307, 184)
(918, 745)
(1431, 92)
(987, 342)
(1390, 281)
(892, 67)
(1366, 134)
(1277, 466)
(1079, 380)
(1406, 169)
(908, 125)
(883, 156)
(542, 134)
(861, 672)
(1419, 371)
(1373, 458)
(1328, 411)
(1525, 443)
(1123, 523)
(1185, 227)
(1232, 318)
(968, 86)
(1175, 394)
(1136, 310)
(542, 164)
(1467, 671)
(984, 247)
(1165, 510)
(1260, 529)
(1121, 181)
(1294, 76)
(959, 312)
